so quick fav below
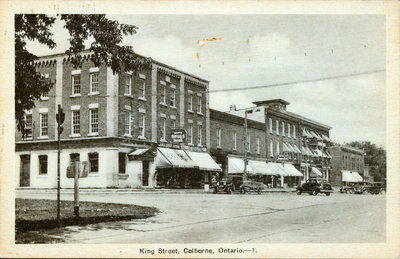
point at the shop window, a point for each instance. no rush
(43, 164)
(121, 162)
(94, 162)
(74, 157)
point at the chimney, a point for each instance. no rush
(232, 108)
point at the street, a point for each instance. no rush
(221, 218)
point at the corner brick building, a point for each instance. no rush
(107, 117)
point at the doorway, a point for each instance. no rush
(25, 171)
(145, 175)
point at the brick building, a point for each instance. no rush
(291, 139)
(118, 122)
(347, 165)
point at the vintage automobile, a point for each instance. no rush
(251, 185)
(314, 186)
(376, 188)
(224, 185)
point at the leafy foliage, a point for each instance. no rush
(106, 49)
(375, 157)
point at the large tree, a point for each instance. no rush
(375, 157)
(106, 36)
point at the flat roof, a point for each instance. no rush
(271, 101)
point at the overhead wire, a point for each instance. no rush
(250, 87)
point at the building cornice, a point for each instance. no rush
(299, 118)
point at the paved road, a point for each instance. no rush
(221, 218)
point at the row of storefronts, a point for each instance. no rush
(136, 138)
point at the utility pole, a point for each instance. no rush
(245, 146)
(60, 116)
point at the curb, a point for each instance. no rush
(110, 191)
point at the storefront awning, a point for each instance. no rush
(286, 148)
(138, 152)
(167, 158)
(347, 176)
(204, 161)
(318, 152)
(357, 176)
(278, 169)
(236, 166)
(290, 146)
(261, 167)
(310, 152)
(326, 138)
(316, 171)
(292, 170)
(327, 154)
(296, 148)
(316, 135)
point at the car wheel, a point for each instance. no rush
(310, 193)
(242, 190)
(215, 190)
(259, 190)
(315, 192)
(327, 193)
(298, 192)
(228, 191)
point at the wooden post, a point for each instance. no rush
(76, 190)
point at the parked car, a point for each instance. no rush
(251, 185)
(314, 186)
(347, 189)
(224, 185)
(377, 188)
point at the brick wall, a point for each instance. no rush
(228, 126)
(49, 103)
(135, 102)
(171, 84)
(342, 160)
(84, 99)
(195, 116)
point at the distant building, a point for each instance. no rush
(108, 118)
(347, 165)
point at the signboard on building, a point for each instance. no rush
(83, 169)
(178, 136)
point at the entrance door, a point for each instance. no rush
(145, 175)
(25, 171)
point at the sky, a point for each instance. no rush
(263, 50)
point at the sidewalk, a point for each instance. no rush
(132, 190)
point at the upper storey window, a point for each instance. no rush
(76, 84)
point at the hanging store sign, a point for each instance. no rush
(178, 136)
